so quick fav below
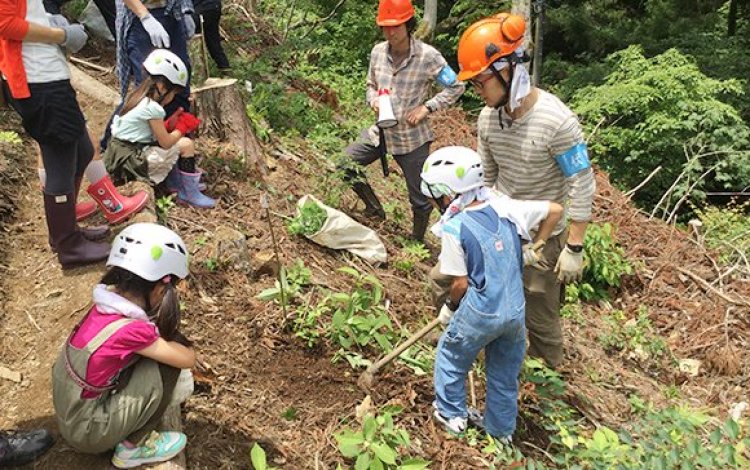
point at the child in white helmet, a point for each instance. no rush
(126, 361)
(146, 147)
(483, 257)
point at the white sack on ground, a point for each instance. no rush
(341, 232)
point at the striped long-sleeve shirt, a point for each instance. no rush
(408, 84)
(519, 156)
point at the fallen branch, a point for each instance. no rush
(644, 182)
(90, 65)
(706, 286)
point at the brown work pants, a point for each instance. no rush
(543, 297)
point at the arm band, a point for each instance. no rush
(574, 160)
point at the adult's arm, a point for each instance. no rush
(450, 92)
(16, 28)
(581, 184)
(458, 289)
(136, 6)
(372, 83)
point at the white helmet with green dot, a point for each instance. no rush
(150, 251)
(451, 170)
(165, 63)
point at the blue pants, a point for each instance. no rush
(504, 344)
(139, 46)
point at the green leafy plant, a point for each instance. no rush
(293, 280)
(307, 322)
(377, 444)
(309, 221)
(258, 458)
(10, 137)
(359, 320)
(163, 205)
(605, 264)
(212, 264)
(635, 335)
(411, 254)
(727, 229)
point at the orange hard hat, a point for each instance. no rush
(394, 12)
(488, 40)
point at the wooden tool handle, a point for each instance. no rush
(406, 344)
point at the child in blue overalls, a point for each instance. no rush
(481, 233)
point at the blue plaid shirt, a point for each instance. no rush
(123, 22)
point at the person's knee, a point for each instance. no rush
(186, 147)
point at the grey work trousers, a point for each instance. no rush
(543, 294)
(363, 152)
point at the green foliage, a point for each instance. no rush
(10, 137)
(309, 220)
(665, 111)
(258, 458)
(605, 264)
(636, 335)
(359, 320)
(163, 205)
(411, 254)
(377, 444)
(292, 282)
(727, 230)
(307, 322)
(670, 438)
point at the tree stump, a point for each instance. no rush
(220, 107)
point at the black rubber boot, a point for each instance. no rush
(373, 208)
(419, 225)
(21, 448)
(73, 249)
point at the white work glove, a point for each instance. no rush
(75, 38)
(569, 267)
(189, 24)
(445, 314)
(159, 36)
(57, 21)
(532, 253)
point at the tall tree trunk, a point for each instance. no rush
(523, 8)
(732, 18)
(429, 22)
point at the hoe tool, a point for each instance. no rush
(368, 376)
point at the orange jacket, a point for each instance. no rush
(13, 28)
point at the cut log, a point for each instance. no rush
(220, 107)
(91, 87)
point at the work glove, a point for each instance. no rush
(189, 24)
(171, 121)
(75, 38)
(187, 123)
(445, 314)
(57, 21)
(569, 267)
(159, 36)
(532, 253)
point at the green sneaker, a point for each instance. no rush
(157, 447)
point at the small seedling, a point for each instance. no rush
(309, 221)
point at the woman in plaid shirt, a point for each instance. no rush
(406, 67)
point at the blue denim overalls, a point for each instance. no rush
(490, 318)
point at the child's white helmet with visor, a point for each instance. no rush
(165, 63)
(451, 170)
(150, 251)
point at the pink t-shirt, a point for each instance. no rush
(117, 351)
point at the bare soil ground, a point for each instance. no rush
(258, 383)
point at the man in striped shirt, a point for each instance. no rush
(405, 67)
(532, 147)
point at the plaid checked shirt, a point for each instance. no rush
(408, 84)
(123, 22)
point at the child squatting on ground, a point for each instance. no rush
(481, 232)
(126, 361)
(146, 147)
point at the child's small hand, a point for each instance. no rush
(187, 123)
(171, 121)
